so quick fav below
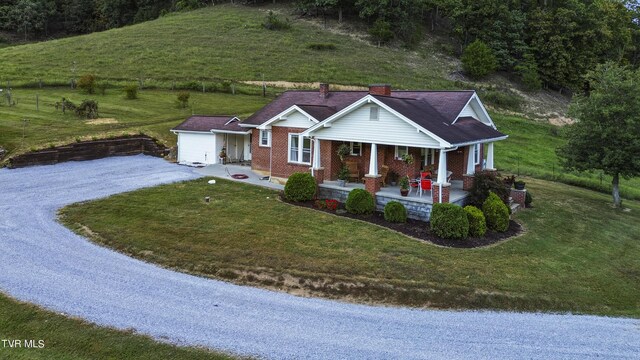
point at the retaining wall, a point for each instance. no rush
(90, 150)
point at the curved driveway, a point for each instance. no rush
(44, 263)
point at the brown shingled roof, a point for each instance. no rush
(202, 123)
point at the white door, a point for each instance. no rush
(197, 148)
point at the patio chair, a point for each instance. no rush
(425, 185)
(354, 170)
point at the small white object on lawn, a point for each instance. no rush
(211, 181)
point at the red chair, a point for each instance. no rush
(425, 185)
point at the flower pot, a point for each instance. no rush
(404, 192)
(341, 182)
(393, 183)
(519, 185)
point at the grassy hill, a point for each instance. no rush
(226, 42)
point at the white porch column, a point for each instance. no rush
(490, 157)
(471, 160)
(373, 160)
(316, 154)
(442, 167)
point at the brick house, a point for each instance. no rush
(448, 131)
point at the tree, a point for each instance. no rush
(606, 135)
(478, 60)
(381, 31)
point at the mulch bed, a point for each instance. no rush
(421, 229)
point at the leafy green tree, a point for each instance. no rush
(606, 135)
(381, 31)
(528, 71)
(478, 60)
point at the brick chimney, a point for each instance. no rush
(380, 89)
(324, 90)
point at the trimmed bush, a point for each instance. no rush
(359, 201)
(485, 182)
(478, 60)
(477, 222)
(496, 213)
(183, 99)
(528, 199)
(394, 211)
(449, 221)
(273, 22)
(300, 187)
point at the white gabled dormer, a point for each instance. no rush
(293, 117)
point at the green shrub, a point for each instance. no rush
(359, 201)
(496, 213)
(381, 31)
(87, 83)
(449, 221)
(88, 109)
(183, 99)
(273, 22)
(528, 199)
(131, 91)
(528, 70)
(394, 211)
(300, 187)
(321, 46)
(478, 60)
(477, 222)
(504, 99)
(485, 182)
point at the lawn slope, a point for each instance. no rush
(225, 42)
(578, 254)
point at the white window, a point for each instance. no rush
(297, 153)
(373, 113)
(476, 154)
(401, 151)
(356, 148)
(265, 138)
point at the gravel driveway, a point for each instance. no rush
(44, 263)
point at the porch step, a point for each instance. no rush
(513, 205)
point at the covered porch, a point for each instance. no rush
(452, 169)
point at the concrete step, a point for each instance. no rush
(514, 207)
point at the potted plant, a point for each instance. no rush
(509, 181)
(404, 186)
(343, 176)
(519, 185)
(408, 161)
(343, 151)
(223, 153)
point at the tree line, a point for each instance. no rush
(558, 41)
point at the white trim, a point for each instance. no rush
(231, 120)
(283, 116)
(365, 100)
(300, 150)
(214, 131)
(483, 141)
(268, 132)
(484, 110)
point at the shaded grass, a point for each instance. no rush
(577, 254)
(531, 150)
(224, 42)
(154, 113)
(67, 338)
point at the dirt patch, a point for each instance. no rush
(560, 120)
(303, 85)
(420, 230)
(101, 121)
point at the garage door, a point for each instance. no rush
(200, 148)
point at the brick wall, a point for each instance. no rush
(259, 154)
(280, 167)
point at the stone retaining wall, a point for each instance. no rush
(90, 150)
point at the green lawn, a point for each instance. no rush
(531, 150)
(154, 113)
(220, 42)
(68, 338)
(578, 254)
